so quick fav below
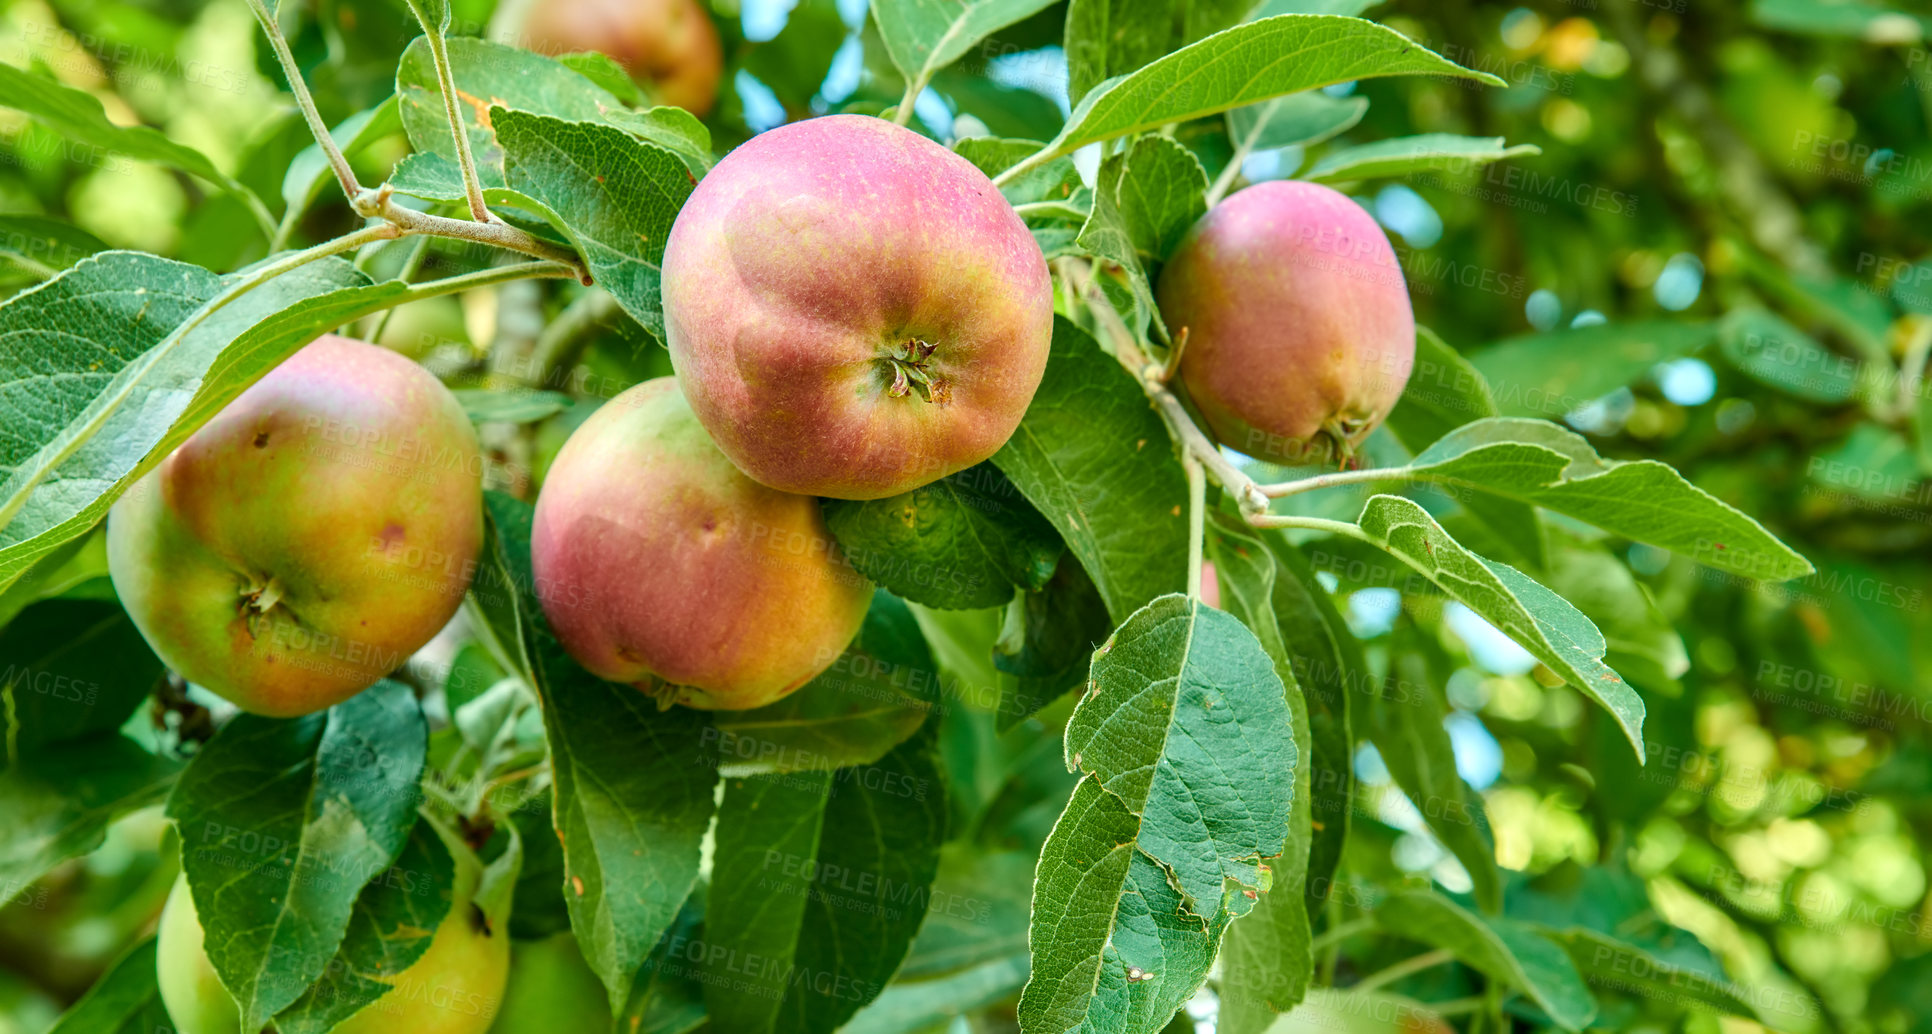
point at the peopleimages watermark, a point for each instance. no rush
(763, 976)
(1835, 696)
(1850, 161)
(1515, 186)
(861, 890)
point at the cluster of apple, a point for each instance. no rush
(852, 311)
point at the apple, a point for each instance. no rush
(551, 988)
(419, 329)
(659, 564)
(854, 311)
(308, 539)
(455, 987)
(1300, 337)
(669, 47)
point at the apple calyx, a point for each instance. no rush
(258, 598)
(911, 364)
(1342, 432)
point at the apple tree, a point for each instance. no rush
(597, 528)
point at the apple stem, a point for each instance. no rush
(914, 87)
(446, 82)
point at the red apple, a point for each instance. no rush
(669, 47)
(1299, 332)
(853, 310)
(659, 564)
(309, 538)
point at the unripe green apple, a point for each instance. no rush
(853, 310)
(669, 47)
(660, 564)
(417, 329)
(454, 988)
(309, 538)
(552, 989)
(1299, 332)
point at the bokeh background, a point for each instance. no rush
(1735, 192)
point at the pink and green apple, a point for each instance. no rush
(854, 311)
(308, 539)
(659, 564)
(1300, 337)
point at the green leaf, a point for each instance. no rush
(1115, 950)
(923, 36)
(70, 669)
(1538, 619)
(1185, 740)
(1640, 639)
(1244, 65)
(1161, 194)
(674, 129)
(60, 805)
(1405, 723)
(1298, 119)
(1407, 155)
(1105, 38)
(1329, 668)
(394, 919)
(1352, 1011)
(1553, 373)
(602, 69)
(78, 116)
(1443, 393)
(1769, 350)
(539, 910)
(100, 381)
(1346, 8)
(961, 543)
(614, 195)
(1179, 690)
(508, 607)
(1266, 959)
(1540, 463)
(1872, 23)
(1611, 963)
(907, 1007)
(1048, 641)
(819, 882)
(668, 997)
(978, 912)
(633, 782)
(870, 700)
(282, 823)
(309, 173)
(1055, 181)
(489, 75)
(484, 406)
(126, 1000)
(1502, 949)
(44, 246)
(1093, 457)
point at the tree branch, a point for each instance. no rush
(380, 203)
(460, 137)
(1192, 440)
(279, 43)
